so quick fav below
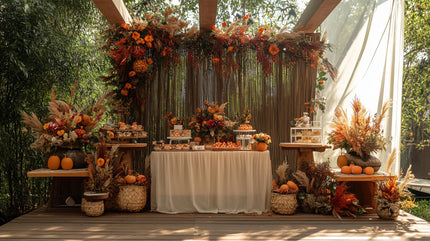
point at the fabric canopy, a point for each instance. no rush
(367, 39)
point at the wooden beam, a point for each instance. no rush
(114, 11)
(207, 13)
(315, 13)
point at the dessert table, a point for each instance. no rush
(210, 181)
(305, 152)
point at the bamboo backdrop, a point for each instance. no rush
(273, 100)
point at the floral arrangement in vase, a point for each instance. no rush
(393, 196)
(172, 120)
(211, 122)
(66, 126)
(100, 169)
(360, 136)
(261, 140)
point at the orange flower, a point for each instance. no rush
(149, 61)
(141, 27)
(149, 38)
(140, 65)
(131, 73)
(149, 44)
(111, 134)
(206, 102)
(100, 162)
(224, 24)
(46, 126)
(213, 28)
(140, 41)
(78, 119)
(166, 51)
(245, 18)
(60, 132)
(135, 35)
(273, 49)
(231, 48)
(215, 60)
(124, 92)
(125, 26)
(127, 86)
(211, 110)
(261, 30)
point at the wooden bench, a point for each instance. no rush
(364, 187)
(66, 183)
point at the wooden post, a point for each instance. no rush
(315, 13)
(114, 11)
(207, 13)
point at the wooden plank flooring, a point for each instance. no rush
(71, 224)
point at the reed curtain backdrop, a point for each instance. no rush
(274, 100)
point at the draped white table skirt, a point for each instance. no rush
(211, 181)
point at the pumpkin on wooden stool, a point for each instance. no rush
(54, 162)
(67, 163)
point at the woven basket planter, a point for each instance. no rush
(92, 209)
(386, 210)
(284, 203)
(132, 198)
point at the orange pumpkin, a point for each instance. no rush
(369, 170)
(67, 163)
(292, 186)
(100, 162)
(284, 188)
(356, 170)
(346, 170)
(54, 162)
(198, 139)
(141, 179)
(130, 179)
(261, 146)
(342, 160)
(274, 185)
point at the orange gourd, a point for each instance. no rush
(130, 179)
(342, 160)
(369, 170)
(67, 163)
(261, 146)
(292, 186)
(198, 139)
(356, 170)
(284, 188)
(54, 162)
(141, 178)
(274, 185)
(346, 169)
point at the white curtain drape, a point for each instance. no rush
(367, 40)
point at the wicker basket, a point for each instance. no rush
(386, 210)
(92, 209)
(284, 203)
(132, 198)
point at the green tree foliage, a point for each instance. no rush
(416, 78)
(42, 43)
(273, 13)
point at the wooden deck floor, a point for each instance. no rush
(71, 224)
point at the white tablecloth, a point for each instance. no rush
(211, 182)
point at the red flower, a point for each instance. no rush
(215, 60)
(245, 18)
(211, 123)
